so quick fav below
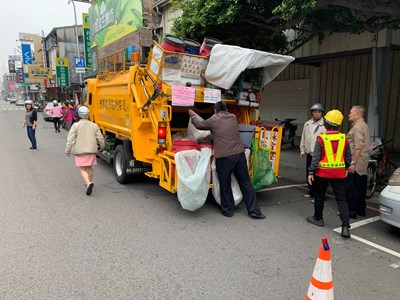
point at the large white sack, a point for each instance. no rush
(196, 134)
(237, 193)
(193, 168)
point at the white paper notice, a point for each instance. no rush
(212, 95)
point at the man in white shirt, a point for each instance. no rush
(311, 130)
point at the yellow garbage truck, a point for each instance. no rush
(142, 108)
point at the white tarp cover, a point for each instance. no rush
(227, 62)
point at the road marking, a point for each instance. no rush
(364, 222)
(360, 239)
(333, 197)
(282, 187)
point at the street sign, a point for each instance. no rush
(86, 40)
(62, 72)
(80, 65)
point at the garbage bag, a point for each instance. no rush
(196, 134)
(193, 168)
(263, 174)
(237, 193)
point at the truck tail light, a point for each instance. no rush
(159, 85)
(162, 133)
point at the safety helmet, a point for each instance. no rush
(317, 106)
(55, 102)
(334, 118)
(28, 102)
(83, 112)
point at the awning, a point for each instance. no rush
(227, 62)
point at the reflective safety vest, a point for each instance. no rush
(332, 165)
(333, 160)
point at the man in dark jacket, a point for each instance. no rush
(229, 158)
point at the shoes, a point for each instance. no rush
(257, 216)
(89, 189)
(32, 149)
(345, 232)
(362, 214)
(312, 201)
(313, 220)
(307, 195)
(353, 216)
(225, 214)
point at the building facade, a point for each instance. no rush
(61, 43)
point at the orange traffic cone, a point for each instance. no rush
(321, 285)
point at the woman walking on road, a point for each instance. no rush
(82, 140)
(30, 123)
(56, 114)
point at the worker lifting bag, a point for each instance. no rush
(193, 169)
(196, 134)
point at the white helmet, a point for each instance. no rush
(28, 102)
(83, 112)
(55, 102)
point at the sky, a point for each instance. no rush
(33, 16)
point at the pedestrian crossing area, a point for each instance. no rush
(8, 106)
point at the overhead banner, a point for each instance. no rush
(112, 19)
(20, 75)
(11, 66)
(62, 72)
(86, 40)
(26, 54)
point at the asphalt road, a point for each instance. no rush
(136, 242)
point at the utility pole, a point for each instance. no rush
(77, 38)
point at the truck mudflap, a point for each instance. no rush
(168, 174)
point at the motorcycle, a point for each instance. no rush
(37, 106)
(289, 130)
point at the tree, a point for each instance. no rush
(260, 24)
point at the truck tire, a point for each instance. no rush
(120, 164)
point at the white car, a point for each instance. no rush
(20, 102)
(389, 200)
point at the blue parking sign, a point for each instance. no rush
(80, 64)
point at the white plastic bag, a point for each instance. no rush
(193, 168)
(195, 134)
(237, 193)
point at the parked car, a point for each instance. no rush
(47, 112)
(13, 100)
(20, 102)
(389, 200)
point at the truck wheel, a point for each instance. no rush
(120, 164)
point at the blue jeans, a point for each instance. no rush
(31, 136)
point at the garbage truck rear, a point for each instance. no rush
(142, 109)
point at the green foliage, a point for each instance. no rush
(260, 24)
(288, 9)
(232, 21)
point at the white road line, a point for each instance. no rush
(364, 222)
(282, 187)
(360, 239)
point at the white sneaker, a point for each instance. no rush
(306, 195)
(312, 200)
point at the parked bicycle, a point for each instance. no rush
(379, 165)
